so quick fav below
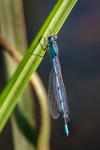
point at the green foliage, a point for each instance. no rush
(30, 63)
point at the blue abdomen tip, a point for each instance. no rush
(66, 130)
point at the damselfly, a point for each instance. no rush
(57, 96)
(56, 90)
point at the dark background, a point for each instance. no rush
(79, 44)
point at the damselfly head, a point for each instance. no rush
(52, 38)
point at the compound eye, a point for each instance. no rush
(52, 37)
(55, 37)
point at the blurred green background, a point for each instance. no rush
(79, 44)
